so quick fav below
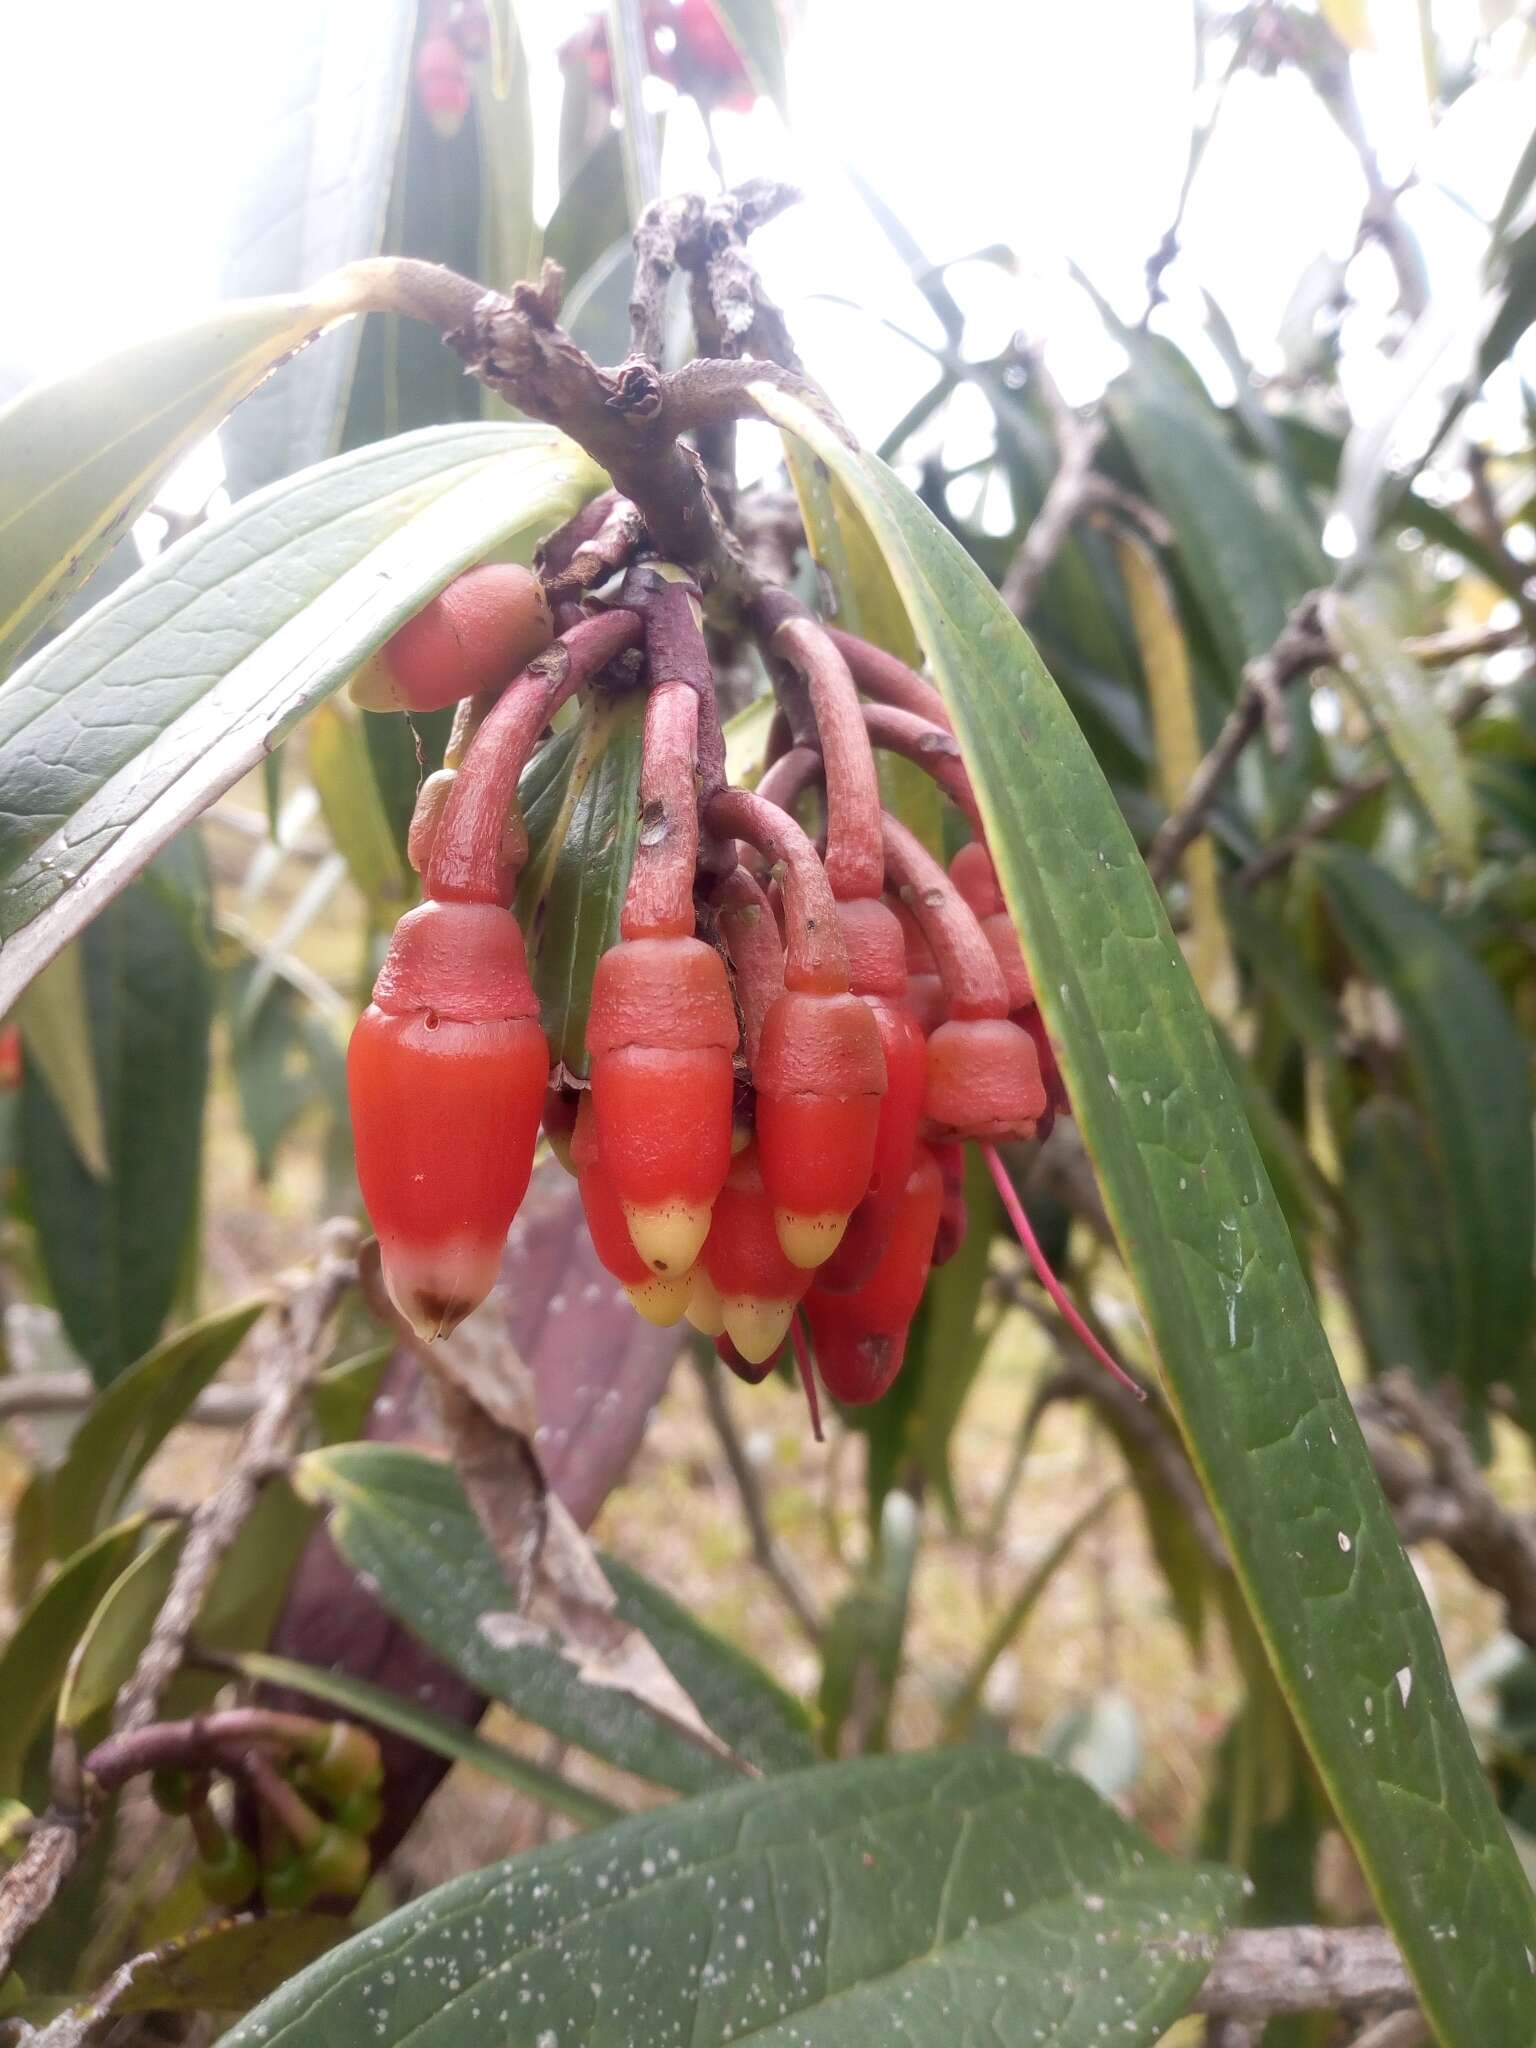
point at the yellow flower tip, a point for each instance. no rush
(670, 1236)
(436, 1288)
(756, 1327)
(705, 1309)
(373, 687)
(806, 1241)
(662, 1300)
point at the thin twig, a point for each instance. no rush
(294, 1349)
(765, 1549)
(1263, 1972)
(1070, 495)
(1397, 2030)
(66, 1393)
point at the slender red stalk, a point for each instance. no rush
(1009, 1197)
(807, 1376)
(659, 901)
(816, 960)
(973, 981)
(476, 851)
(854, 863)
(933, 748)
(889, 681)
(757, 953)
(787, 779)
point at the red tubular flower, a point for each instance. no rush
(756, 1287)
(662, 1027)
(862, 1337)
(442, 84)
(974, 876)
(820, 1072)
(446, 1074)
(744, 1369)
(660, 1297)
(924, 996)
(485, 626)
(954, 1219)
(877, 971)
(983, 1075)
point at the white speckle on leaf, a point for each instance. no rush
(1344, 1543)
(1405, 1682)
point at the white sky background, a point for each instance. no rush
(1058, 127)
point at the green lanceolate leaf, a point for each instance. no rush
(403, 1520)
(217, 1969)
(586, 830)
(105, 1655)
(746, 1708)
(1401, 1275)
(1244, 1359)
(366, 1702)
(1399, 700)
(55, 1030)
(34, 1661)
(128, 1423)
(341, 766)
(113, 1248)
(1228, 546)
(129, 724)
(925, 1899)
(1469, 1064)
(80, 457)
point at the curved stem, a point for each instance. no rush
(757, 953)
(475, 859)
(659, 901)
(790, 776)
(932, 748)
(973, 981)
(855, 864)
(887, 680)
(815, 958)
(807, 1376)
(1018, 1217)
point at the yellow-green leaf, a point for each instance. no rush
(55, 1030)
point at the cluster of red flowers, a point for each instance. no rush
(686, 44)
(787, 1046)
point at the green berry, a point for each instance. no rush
(339, 1864)
(347, 1761)
(360, 1812)
(228, 1877)
(288, 1886)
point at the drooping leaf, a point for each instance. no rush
(33, 1662)
(55, 1030)
(115, 1636)
(80, 456)
(949, 1336)
(323, 89)
(1175, 724)
(862, 1642)
(360, 1700)
(1401, 1274)
(509, 236)
(113, 1248)
(402, 1519)
(129, 724)
(1470, 1067)
(745, 1707)
(1397, 697)
(592, 214)
(1246, 1364)
(128, 1423)
(920, 1898)
(341, 767)
(224, 1968)
(1228, 546)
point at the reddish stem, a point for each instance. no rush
(816, 960)
(790, 776)
(1042, 1265)
(973, 981)
(282, 1802)
(855, 864)
(476, 853)
(659, 901)
(932, 748)
(889, 681)
(757, 953)
(196, 1743)
(807, 1376)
